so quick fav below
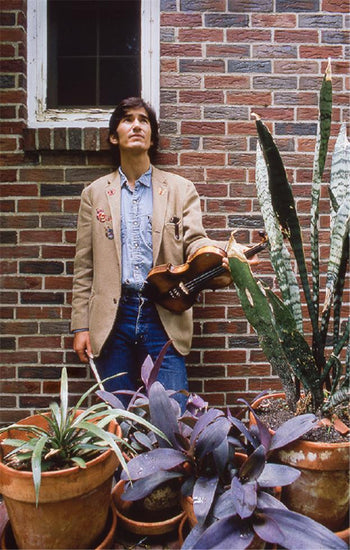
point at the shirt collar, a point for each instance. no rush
(145, 178)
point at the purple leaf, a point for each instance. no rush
(192, 537)
(226, 533)
(298, 531)
(110, 398)
(151, 371)
(253, 466)
(245, 497)
(264, 433)
(143, 440)
(267, 529)
(162, 414)
(146, 370)
(292, 429)
(196, 405)
(277, 475)
(213, 435)
(151, 462)
(143, 487)
(265, 500)
(243, 429)
(221, 456)
(224, 506)
(203, 422)
(203, 495)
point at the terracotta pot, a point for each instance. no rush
(7, 541)
(73, 503)
(123, 510)
(321, 491)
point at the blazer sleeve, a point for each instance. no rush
(83, 265)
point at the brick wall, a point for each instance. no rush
(221, 60)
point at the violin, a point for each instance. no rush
(176, 287)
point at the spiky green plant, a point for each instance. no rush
(71, 438)
(279, 323)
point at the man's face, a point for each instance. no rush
(133, 133)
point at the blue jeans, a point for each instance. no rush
(138, 332)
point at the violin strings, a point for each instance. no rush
(197, 281)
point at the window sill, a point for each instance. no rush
(65, 139)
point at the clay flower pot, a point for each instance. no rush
(321, 491)
(135, 525)
(73, 503)
(7, 541)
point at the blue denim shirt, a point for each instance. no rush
(136, 229)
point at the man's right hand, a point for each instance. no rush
(82, 346)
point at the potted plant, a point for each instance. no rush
(245, 513)
(56, 472)
(228, 501)
(159, 512)
(312, 375)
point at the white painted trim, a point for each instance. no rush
(39, 115)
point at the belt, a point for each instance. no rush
(131, 292)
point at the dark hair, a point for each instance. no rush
(117, 115)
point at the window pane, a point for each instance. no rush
(123, 76)
(77, 77)
(93, 52)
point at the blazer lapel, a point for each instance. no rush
(113, 195)
(160, 198)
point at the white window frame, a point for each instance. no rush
(39, 115)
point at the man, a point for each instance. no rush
(129, 221)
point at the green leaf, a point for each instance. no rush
(340, 170)
(325, 107)
(36, 465)
(64, 397)
(259, 314)
(79, 461)
(279, 255)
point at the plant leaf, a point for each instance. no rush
(277, 475)
(245, 497)
(253, 466)
(64, 398)
(279, 255)
(162, 414)
(141, 488)
(79, 461)
(292, 429)
(213, 435)
(36, 465)
(203, 496)
(291, 525)
(151, 462)
(226, 533)
(150, 370)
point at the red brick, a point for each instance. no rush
(339, 6)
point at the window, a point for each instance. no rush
(86, 55)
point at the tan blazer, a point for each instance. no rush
(97, 267)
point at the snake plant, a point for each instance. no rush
(312, 362)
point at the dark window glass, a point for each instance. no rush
(93, 52)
